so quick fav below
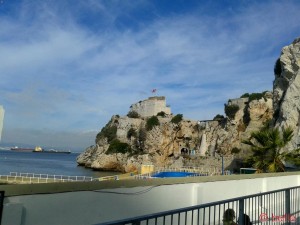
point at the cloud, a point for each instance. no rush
(70, 67)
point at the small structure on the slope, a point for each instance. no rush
(151, 106)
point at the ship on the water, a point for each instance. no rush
(18, 149)
(38, 149)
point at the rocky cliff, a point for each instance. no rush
(165, 144)
(125, 143)
(286, 91)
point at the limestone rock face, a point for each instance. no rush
(287, 91)
(164, 145)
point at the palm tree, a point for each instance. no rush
(267, 145)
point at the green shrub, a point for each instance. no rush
(151, 122)
(118, 147)
(109, 132)
(131, 133)
(235, 150)
(133, 114)
(219, 117)
(162, 114)
(231, 110)
(253, 96)
(246, 95)
(277, 67)
(256, 96)
(176, 119)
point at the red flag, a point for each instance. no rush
(154, 90)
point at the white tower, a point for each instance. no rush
(1, 119)
(203, 146)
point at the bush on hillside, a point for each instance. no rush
(246, 95)
(231, 110)
(176, 119)
(219, 117)
(235, 150)
(151, 122)
(162, 114)
(118, 147)
(133, 114)
(254, 96)
(109, 132)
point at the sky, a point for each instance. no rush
(68, 66)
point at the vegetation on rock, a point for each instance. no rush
(152, 122)
(162, 114)
(133, 114)
(254, 96)
(293, 157)
(267, 148)
(231, 110)
(118, 147)
(219, 117)
(235, 150)
(142, 136)
(177, 119)
(109, 132)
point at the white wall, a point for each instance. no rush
(92, 207)
(151, 106)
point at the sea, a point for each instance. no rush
(45, 163)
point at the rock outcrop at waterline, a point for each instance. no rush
(166, 143)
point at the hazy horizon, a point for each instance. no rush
(67, 67)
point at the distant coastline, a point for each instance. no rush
(38, 149)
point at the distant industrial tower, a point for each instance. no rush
(1, 119)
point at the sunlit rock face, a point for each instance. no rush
(165, 144)
(286, 98)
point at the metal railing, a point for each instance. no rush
(273, 207)
(42, 178)
(48, 178)
(1, 204)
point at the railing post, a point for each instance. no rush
(222, 165)
(241, 212)
(288, 206)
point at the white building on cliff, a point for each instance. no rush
(151, 106)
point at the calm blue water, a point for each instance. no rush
(173, 174)
(44, 163)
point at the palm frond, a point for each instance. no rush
(266, 146)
